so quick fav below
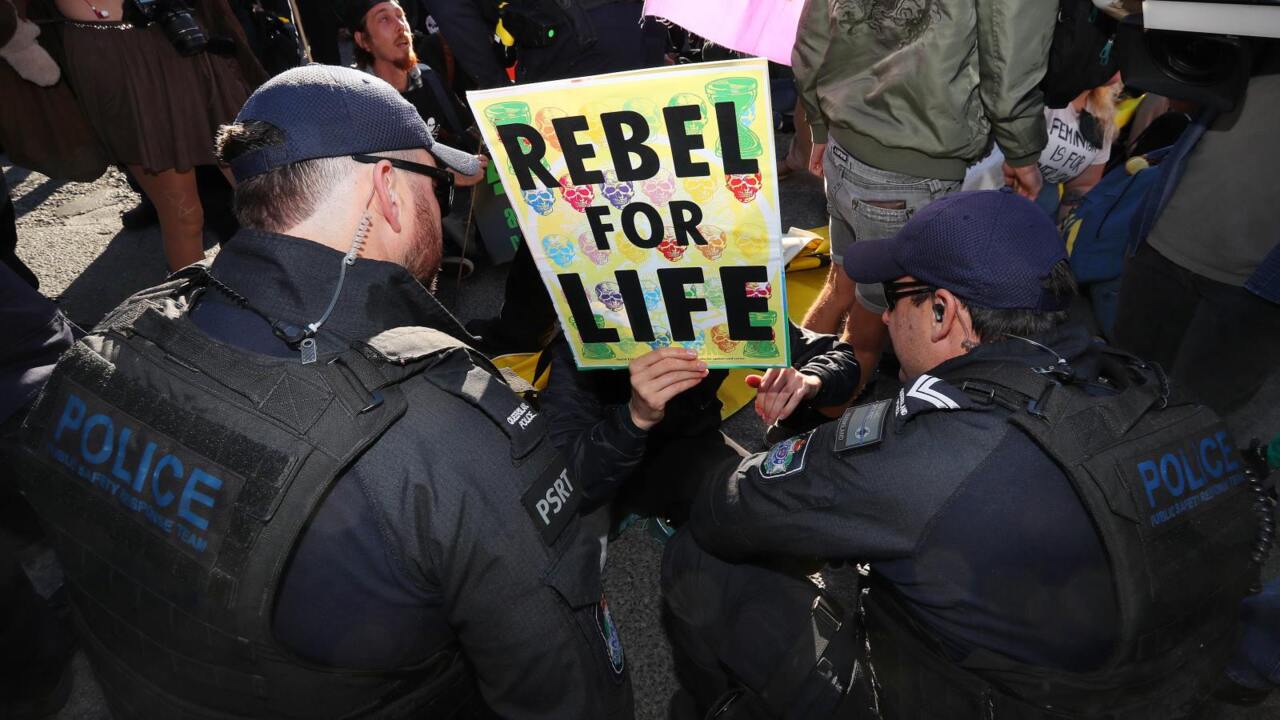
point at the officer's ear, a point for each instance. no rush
(386, 199)
(949, 316)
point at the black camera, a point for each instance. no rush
(177, 21)
(1199, 51)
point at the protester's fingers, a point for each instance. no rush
(773, 377)
(754, 381)
(793, 402)
(654, 356)
(654, 389)
(777, 400)
(665, 366)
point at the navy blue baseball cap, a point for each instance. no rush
(331, 111)
(990, 247)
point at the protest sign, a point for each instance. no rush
(760, 27)
(650, 203)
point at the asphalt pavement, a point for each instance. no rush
(70, 235)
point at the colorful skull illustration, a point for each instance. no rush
(716, 241)
(559, 249)
(652, 294)
(696, 344)
(631, 252)
(588, 246)
(647, 109)
(630, 347)
(715, 293)
(700, 188)
(753, 239)
(694, 126)
(759, 290)
(578, 196)
(617, 193)
(597, 351)
(720, 338)
(609, 294)
(661, 338)
(660, 188)
(669, 248)
(543, 122)
(541, 200)
(743, 187)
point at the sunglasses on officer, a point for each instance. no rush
(444, 185)
(895, 290)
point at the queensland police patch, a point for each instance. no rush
(609, 633)
(786, 457)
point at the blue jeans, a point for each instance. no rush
(1257, 660)
(867, 203)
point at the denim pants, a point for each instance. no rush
(867, 203)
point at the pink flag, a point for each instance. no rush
(766, 28)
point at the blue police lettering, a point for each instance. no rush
(1214, 468)
(1184, 477)
(146, 478)
(198, 478)
(164, 497)
(72, 416)
(555, 497)
(104, 451)
(1223, 443)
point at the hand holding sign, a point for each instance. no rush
(651, 211)
(658, 376)
(780, 391)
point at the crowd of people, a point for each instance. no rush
(288, 482)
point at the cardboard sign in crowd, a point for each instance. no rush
(649, 200)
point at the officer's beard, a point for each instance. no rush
(423, 260)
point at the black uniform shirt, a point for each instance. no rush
(975, 526)
(417, 550)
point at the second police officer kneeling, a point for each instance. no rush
(1052, 531)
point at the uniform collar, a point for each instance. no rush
(932, 392)
(292, 279)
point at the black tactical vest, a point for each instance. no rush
(1167, 492)
(177, 474)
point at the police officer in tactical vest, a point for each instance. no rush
(283, 486)
(1052, 531)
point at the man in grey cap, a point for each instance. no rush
(283, 485)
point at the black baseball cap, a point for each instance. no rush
(331, 111)
(990, 247)
(353, 12)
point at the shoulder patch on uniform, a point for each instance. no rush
(786, 457)
(609, 633)
(552, 501)
(929, 393)
(862, 426)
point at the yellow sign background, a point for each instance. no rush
(740, 215)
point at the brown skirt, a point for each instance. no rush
(149, 105)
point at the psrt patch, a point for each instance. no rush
(609, 633)
(787, 457)
(552, 501)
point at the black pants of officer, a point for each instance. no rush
(621, 44)
(1219, 342)
(730, 625)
